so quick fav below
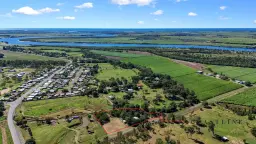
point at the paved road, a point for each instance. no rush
(16, 135)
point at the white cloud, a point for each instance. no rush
(156, 19)
(224, 18)
(67, 18)
(254, 21)
(60, 4)
(192, 14)
(85, 5)
(129, 2)
(177, 1)
(48, 10)
(223, 7)
(30, 11)
(158, 12)
(8, 15)
(140, 22)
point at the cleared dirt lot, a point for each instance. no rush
(193, 65)
(114, 125)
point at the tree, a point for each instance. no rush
(31, 141)
(211, 126)
(190, 130)
(253, 131)
(247, 83)
(1, 55)
(205, 104)
(159, 141)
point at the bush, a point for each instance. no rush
(253, 131)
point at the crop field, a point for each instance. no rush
(246, 74)
(205, 87)
(116, 54)
(45, 107)
(23, 56)
(108, 71)
(247, 98)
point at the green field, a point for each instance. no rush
(205, 87)
(247, 98)
(234, 131)
(44, 107)
(8, 55)
(71, 53)
(116, 54)
(246, 74)
(108, 71)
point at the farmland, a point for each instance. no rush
(116, 54)
(245, 74)
(45, 107)
(205, 87)
(108, 71)
(246, 98)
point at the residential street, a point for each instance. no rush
(16, 135)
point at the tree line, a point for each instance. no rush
(16, 48)
(30, 63)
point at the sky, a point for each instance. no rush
(128, 14)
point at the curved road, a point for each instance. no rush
(16, 135)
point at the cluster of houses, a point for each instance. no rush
(66, 83)
(14, 94)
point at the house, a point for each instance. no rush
(12, 70)
(200, 72)
(135, 118)
(111, 97)
(139, 86)
(225, 139)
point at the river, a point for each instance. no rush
(18, 41)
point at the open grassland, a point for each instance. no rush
(116, 54)
(246, 74)
(247, 98)
(45, 107)
(235, 132)
(8, 55)
(51, 134)
(205, 87)
(108, 71)
(99, 133)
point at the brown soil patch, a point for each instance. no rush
(5, 91)
(193, 65)
(114, 125)
(140, 52)
(4, 135)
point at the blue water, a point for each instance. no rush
(16, 41)
(109, 32)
